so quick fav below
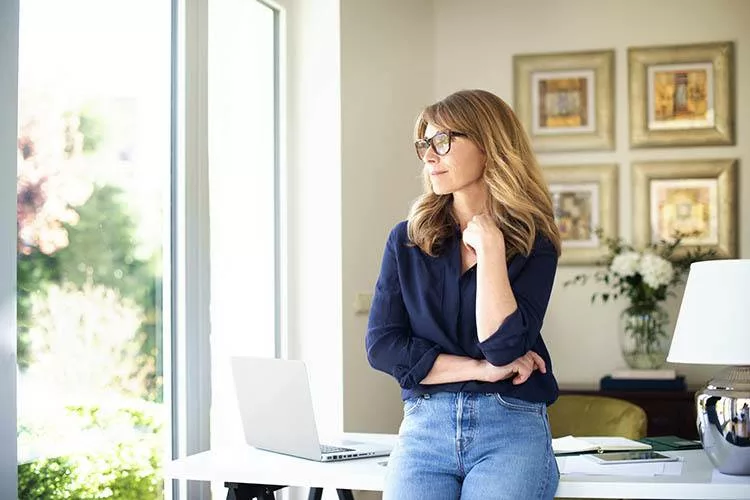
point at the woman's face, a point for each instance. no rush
(460, 168)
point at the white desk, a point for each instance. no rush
(246, 465)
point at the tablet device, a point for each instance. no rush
(631, 457)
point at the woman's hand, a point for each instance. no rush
(482, 234)
(520, 369)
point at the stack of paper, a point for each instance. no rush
(583, 464)
(660, 374)
(597, 444)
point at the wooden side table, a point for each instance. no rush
(669, 412)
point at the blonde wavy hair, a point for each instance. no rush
(519, 201)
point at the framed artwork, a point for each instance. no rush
(584, 199)
(565, 100)
(681, 95)
(696, 198)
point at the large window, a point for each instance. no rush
(93, 178)
(115, 196)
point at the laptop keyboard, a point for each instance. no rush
(324, 448)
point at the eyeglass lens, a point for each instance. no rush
(440, 142)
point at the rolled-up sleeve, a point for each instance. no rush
(391, 346)
(532, 288)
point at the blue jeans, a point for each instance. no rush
(472, 446)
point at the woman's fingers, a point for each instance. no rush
(525, 366)
(538, 361)
(519, 369)
(524, 363)
(523, 373)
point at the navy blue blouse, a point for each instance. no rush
(424, 306)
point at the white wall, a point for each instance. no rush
(477, 40)
(312, 224)
(8, 230)
(386, 74)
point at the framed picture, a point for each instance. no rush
(584, 199)
(696, 198)
(681, 95)
(565, 100)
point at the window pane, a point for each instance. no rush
(242, 196)
(93, 177)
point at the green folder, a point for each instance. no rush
(671, 443)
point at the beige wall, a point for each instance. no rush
(386, 74)
(581, 337)
(385, 81)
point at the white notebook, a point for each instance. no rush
(598, 444)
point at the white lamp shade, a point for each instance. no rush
(713, 326)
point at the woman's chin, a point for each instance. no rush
(439, 190)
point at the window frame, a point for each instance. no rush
(190, 369)
(9, 27)
(190, 245)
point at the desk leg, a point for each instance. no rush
(242, 491)
(317, 494)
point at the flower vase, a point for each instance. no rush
(643, 335)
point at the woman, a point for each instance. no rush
(458, 309)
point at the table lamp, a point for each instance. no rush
(713, 327)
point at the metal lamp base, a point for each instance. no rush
(724, 420)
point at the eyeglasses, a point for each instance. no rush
(440, 142)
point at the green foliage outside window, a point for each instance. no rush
(77, 254)
(125, 470)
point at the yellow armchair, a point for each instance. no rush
(585, 415)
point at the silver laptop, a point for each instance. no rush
(277, 412)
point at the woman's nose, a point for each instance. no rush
(430, 156)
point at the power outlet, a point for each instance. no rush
(362, 301)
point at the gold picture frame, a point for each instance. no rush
(681, 95)
(695, 197)
(584, 199)
(565, 100)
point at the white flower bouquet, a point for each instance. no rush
(642, 276)
(645, 278)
